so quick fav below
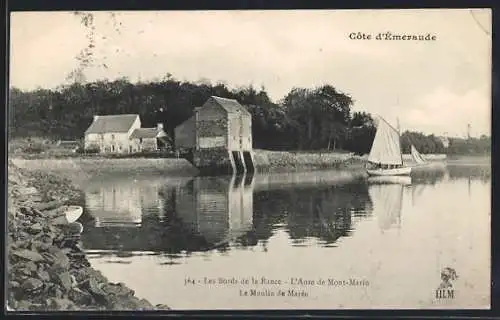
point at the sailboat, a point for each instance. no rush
(417, 157)
(421, 163)
(386, 158)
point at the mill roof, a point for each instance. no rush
(147, 133)
(230, 105)
(112, 123)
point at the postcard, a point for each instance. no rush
(249, 160)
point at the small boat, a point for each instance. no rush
(417, 157)
(72, 213)
(421, 163)
(386, 158)
(68, 214)
(403, 171)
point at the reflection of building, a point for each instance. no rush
(119, 204)
(200, 215)
(219, 209)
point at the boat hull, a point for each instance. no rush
(402, 180)
(405, 171)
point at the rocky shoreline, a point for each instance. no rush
(46, 266)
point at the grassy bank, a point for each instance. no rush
(279, 161)
(81, 168)
(46, 265)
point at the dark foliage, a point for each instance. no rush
(305, 119)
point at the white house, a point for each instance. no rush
(123, 134)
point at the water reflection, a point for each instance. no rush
(119, 204)
(387, 195)
(176, 218)
(219, 209)
(195, 215)
(325, 213)
(472, 172)
(264, 224)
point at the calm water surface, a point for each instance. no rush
(386, 241)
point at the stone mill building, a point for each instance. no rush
(218, 137)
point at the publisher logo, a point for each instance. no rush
(445, 289)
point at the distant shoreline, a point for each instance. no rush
(265, 161)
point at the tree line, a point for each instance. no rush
(309, 119)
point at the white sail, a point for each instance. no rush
(386, 148)
(417, 157)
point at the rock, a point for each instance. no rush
(36, 212)
(59, 261)
(95, 288)
(60, 304)
(43, 275)
(23, 305)
(23, 271)
(81, 297)
(162, 307)
(49, 208)
(118, 289)
(32, 284)
(27, 191)
(14, 284)
(40, 246)
(31, 266)
(56, 292)
(35, 228)
(77, 255)
(25, 210)
(64, 280)
(28, 255)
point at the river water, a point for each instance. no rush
(315, 240)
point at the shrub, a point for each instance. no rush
(36, 147)
(89, 150)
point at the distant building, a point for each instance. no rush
(123, 134)
(445, 141)
(219, 134)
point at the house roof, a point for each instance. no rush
(230, 105)
(147, 133)
(68, 144)
(112, 123)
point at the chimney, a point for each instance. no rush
(95, 117)
(159, 126)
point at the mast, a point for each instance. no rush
(399, 133)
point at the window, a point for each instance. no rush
(140, 140)
(112, 137)
(113, 148)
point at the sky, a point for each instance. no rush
(429, 86)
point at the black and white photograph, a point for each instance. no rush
(249, 160)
